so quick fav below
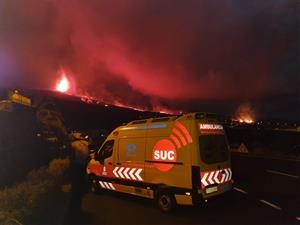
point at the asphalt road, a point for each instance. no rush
(238, 208)
(265, 192)
(276, 181)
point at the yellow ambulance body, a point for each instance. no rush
(174, 160)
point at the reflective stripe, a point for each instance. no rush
(101, 183)
(120, 172)
(106, 185)
(112, 187)
(213, 177)
(128, 173)
(156, 126)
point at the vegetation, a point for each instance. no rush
(21, 202)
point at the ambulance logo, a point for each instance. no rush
(165, 151)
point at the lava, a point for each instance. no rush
(67, 84)
(246, 120)
(63, 85)
(245, 114)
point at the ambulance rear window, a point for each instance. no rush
(213, 148)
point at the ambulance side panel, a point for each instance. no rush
(174, 174)
(131, 150)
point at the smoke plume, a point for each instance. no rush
(147, 52)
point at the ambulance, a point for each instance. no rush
(174, 160)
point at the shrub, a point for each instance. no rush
(58, 167)
(19, 201)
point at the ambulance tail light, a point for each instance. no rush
(196, 182)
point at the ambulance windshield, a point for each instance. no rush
(213, 148)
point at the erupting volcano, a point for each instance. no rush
(63, 85)
(156, 55)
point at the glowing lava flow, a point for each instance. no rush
(67, 85)
(246, 120)
(63, 85)
(245, 114)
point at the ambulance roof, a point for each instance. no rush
(194, 115)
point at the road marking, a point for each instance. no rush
(283, 174)
(270, 204)
(240, 190)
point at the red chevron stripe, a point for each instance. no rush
(175, 139)
(177, 132)
(211, 177)
(185, 131)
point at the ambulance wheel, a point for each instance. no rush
(166, 201)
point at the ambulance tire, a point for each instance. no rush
(166, 200)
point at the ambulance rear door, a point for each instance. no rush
(214, 154)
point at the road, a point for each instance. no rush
(266, 192)
(271, 180)
(238, 208)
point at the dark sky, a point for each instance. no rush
(157, 53)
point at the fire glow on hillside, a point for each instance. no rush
(66, 84)
(245, 114)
